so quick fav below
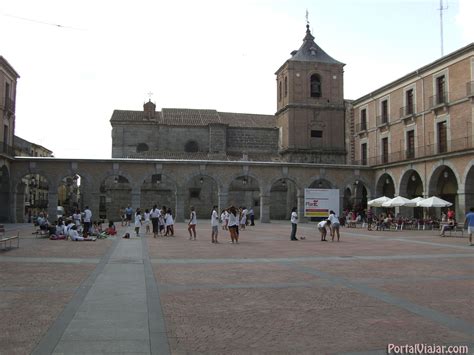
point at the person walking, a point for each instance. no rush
(334, 225)
(294, 223)
(192, 224)
(252, 216)
(154, 216)
(128, 214)
(233, 225)
(138, 222)
(87, 220)
(469, 223)
(146, 217)
(214, 224)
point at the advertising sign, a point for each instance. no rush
(318, 202)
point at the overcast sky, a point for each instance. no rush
(222, 55)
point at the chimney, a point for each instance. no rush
(149, 109)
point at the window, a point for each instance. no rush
(363, 153)
(409, 102)
(279, 91)
(384, 150)
(442, 137)
(286, 86)
(316, 134)
(440, 89)
(191, 147)
(384, 109)
(7, 91)
(315, 86)
(410, 144)
(142, 147)
(363, 119)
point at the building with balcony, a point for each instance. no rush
(417, 133)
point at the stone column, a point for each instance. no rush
(223, 198)
(179, 210)
(301, 217)
(93, 203)
(264, 208)
(460, 205)
(52, 206)
(136, 197)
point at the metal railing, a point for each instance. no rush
(9, 105)
(7, 149)
(421, 151)
(361, 127)
(407, 111)
(470, 88)
(382, 120)
(441, 98)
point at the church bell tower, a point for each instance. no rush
(310, 106)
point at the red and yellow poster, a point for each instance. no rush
(318, 202)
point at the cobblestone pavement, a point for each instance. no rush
(267, 295)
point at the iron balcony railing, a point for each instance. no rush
(407, 111)
(470, 88)
(441, 98)
(361, 127)
(7, 149)
(9, 105)
(421, 151)
(382, 120)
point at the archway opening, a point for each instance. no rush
(32, 198)
(69, 195)
(469, 189)
(385, 186)
(244, 191)
(115, 195)
(202, 193)
(4, 194)
(411, 186)
(443, 184)
(283, 197)
(160, 190)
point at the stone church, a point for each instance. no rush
(308, 126)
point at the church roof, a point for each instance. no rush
(195, 117)
(311, 52)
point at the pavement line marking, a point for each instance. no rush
(28, 259)
(445, 320)
(51, 339)
(167, 287)
(307, 258)
(38, 289)
(159, 344)
(380, 237)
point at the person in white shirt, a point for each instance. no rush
(87, 220)
(233, 225)
(169, 222)
(214, 224)
(138, 222)
(77, 218)
(192, 224)
(294, 223)
(146, 217)
(155, 215)
(243, 218)
(322, 228)
(74, 235)
(334, 225)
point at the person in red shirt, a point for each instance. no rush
(450, 214)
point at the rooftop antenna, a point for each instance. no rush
(441, 9)
(307, 16)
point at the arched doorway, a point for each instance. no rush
(320, 184)
(244, 191)
(411, 186)
(69, 194)
(158, 189)
(443, 184)
(360, 197)
(385, 186)
(283, 197)
(202, 193)
(347, 203)
(4, 194)
(32, 198)
(469, 189)
(115, 195)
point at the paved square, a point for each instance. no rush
(267, 295)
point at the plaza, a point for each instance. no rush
(267, 295)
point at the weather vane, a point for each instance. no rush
(307, 17)
(150, 94)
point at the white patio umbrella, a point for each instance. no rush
(433, 202)
(416, 200)
(378, 201)
(398, 202)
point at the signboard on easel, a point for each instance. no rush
(318, 202)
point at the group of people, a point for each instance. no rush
(332, 223)
(158, 220)
(78, 227)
